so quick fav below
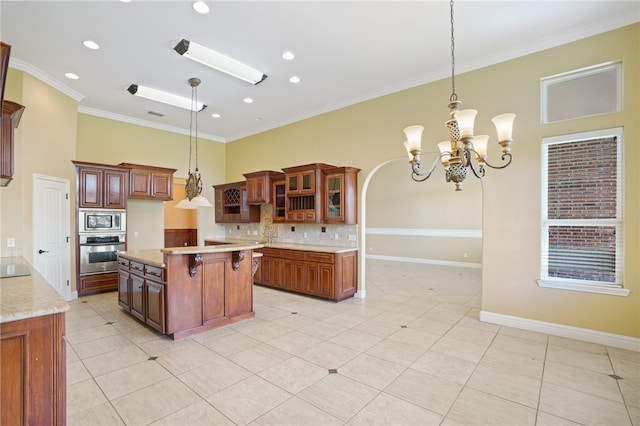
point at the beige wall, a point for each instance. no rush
(368, 134)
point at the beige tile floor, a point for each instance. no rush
(412, 353)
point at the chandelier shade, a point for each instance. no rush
(464, 152)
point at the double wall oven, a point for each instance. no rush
(101, 235)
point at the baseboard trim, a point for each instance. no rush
(585, 334)
(424, 261)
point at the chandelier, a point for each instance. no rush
(193, 188)
(464, 151)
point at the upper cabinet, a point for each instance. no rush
(149, 183)
(340, 195)
(278, 199)
(303, 191)
(231, 204)
(100, 186)
(11, 114)
(259, 186)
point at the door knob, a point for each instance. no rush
(43, 251)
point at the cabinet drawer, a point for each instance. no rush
(320, 257)
(154, 272)
(136, 266)
(293, 254)
(269, 252)
(123, 263)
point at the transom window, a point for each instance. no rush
(582, 212)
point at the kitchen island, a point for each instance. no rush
(180, 291)
(32, 347)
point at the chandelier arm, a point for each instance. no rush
(420, 176)
(505, 155)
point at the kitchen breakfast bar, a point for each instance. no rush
(181, 291)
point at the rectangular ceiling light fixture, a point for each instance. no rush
(218, 61)
(164, 97)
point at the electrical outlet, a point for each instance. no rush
(136, 234)
(352, 237)
(304, 235)
(11, 242)
(336, 236)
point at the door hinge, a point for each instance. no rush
(67, 239)
(67, 283)
(66, 196)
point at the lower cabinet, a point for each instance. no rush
(97, 283)
(33, 385)
(328, 275)
(141, 292)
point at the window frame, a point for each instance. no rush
(616, 288)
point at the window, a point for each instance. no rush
(582, 212)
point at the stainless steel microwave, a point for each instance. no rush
(102, 221)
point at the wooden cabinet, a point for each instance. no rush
(141, 292)
(97, 283)
(100, 186)
(149, 183)
(328, 275)
(180, 237)
(259, 186)
(231, 204)
(33, 388)
(303, 192)
(340, 195)
(11, 114)
(278, 195)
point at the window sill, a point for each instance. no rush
(589, 288)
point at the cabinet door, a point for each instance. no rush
(213, 291)
(123, 288)
(256, 190)
(219, 212)
(312, 286)
(162, 186)
(279, 207)
(155, 305)
(136, 299)
(90, 188)
(334, 198)
(139, 184)
(325, 280)
(115, 189)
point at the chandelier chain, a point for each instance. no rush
(193, 105)
(454, 96)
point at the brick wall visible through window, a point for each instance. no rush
(581, 208)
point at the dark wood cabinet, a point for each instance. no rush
(180, 237)
(328, 275)
(149, 183)
(33, 369)
(304, 188)
(231, 204)
(97, 283)
(141, 292)
(11, 114)
(278, 191)
(100, 186)
(259, 186)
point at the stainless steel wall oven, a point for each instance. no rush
(98, 252)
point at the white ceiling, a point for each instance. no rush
(346, 51)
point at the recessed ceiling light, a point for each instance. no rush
(216, 115)
(294, 79)
(72, 76)
(288, 55)
(248, 100)
(201, 7)
(91, 44)
(125, 1)
(259, 119)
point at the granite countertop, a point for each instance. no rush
(152, 257)
(28, 296)
(292, 246)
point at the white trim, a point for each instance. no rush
(570, 332)
(589, 288)
(361, 294)
(420, 232)
(424, 261)
(74, 295)
(45, 78)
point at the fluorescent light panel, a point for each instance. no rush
(164, 97)
(219, 61)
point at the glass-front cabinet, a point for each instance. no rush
(340, 195)
(279, 206)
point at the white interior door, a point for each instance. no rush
(51, 231)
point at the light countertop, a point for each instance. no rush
(291, 246)
(156, 257)
(152, 257)
(29, 296)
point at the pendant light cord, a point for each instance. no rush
(454, 96)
